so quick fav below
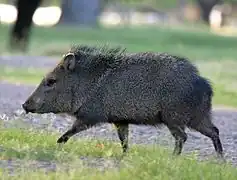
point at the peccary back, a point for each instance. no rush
(150, 83)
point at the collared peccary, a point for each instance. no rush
(108, 85)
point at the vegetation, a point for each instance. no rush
(150, 162)
(27, 76)
(159, 4)
(196, 45)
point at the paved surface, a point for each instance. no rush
(12, 96)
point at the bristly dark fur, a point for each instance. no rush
(98, 56)
(95, 58)
(104, 49)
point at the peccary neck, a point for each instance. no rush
(83, 92)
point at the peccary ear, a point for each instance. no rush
(69, 61)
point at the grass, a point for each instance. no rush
(27, 76)
(150, 162)
(223, 78)
(161, 5)
(197, 45)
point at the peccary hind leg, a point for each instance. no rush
(211, 131)
(180, 138)
(122, 130)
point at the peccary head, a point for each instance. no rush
(64, 89)
(55, 93)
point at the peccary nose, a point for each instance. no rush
(25, 106)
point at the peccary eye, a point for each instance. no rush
(50, 82)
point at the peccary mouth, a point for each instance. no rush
(29, 111)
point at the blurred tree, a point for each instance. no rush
(77, 12)
(206, 7)
(20, 31)
(83, 12)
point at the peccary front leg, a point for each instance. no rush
(77, 127)
(180, 136)
(122, 130)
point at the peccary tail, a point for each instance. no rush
(202, 93)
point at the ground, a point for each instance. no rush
(25, 149)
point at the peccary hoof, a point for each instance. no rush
(62, 139)
(221, 158)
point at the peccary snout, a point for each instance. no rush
(31, 105)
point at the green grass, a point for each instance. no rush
(27, 76)
(158, 4)
(197, 45)
(149, 162)
(223, 78)
(161, 5)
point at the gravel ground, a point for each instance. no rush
(28, 61)
(12, 96)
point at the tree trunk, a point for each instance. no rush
(21, 29)
(206, 7)
(80, 12)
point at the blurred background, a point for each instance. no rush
(216, 16)
(117, 12)
(216, 13)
